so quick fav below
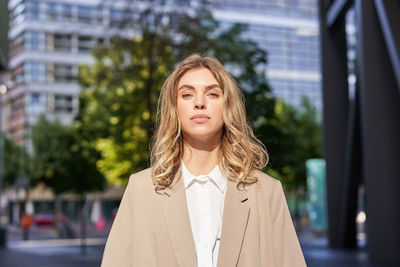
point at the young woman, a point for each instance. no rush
(204, 201)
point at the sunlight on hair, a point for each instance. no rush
(242, 152)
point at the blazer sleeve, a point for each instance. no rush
(129, 242)
(286, 245)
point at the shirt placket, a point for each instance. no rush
(204, 237)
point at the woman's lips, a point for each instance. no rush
(200, 118)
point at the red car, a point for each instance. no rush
(47, 219)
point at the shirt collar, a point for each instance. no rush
(216, 176)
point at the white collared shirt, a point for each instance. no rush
(205, 200)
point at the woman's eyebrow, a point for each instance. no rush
(212, 86)
(185, 86)
(208, 87)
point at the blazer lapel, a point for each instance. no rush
(234, 223)
(178, 223)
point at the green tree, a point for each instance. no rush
(120, 100)
(13, 162)
(121, 88)
(63, 163)
(51, 150)
(299, 139)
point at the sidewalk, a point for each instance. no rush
(52, 252)
(44, 249)
(51, 256)
(317, 253)
(48, 232)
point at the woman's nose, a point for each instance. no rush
(199, 103)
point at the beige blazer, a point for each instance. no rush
(153, 229)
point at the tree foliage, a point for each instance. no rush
(120, 90)
(61, 162)
(12, 161)
(299, 138)
(120, 100)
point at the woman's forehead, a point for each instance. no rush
(201, 77)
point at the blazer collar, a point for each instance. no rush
(178, 223)
(216, 177)
(234, 223)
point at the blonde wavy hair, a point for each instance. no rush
(242, 152)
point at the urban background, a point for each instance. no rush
(79, 84)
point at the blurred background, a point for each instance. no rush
(79, 84)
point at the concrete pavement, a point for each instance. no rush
(52, 252)
(318, 254)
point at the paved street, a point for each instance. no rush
(44, 249)
(67, 252)
(318, 254)
(51, 257)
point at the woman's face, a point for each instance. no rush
(199, 105)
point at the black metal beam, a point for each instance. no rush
(335, 112)
(352, 175)
(380, 124)
(3, 34)
(389, 17)
(336, 10)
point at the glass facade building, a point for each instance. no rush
(288, 31)
(50, 39)
(48, 42)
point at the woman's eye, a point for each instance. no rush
(186, 95)
(213, 95)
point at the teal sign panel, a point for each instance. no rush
(316, 187)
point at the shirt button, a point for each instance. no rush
(205, 245)
(203, 214)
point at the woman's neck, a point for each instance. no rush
(201, 157)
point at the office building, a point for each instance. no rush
(288, 31)
(50, 39)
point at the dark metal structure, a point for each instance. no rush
(362, 134)
(3, 34)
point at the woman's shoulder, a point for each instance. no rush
(265, 179)
(268, 190)
(265, 182)
(141, 181)
(143, 174)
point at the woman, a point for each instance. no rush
(204, 201)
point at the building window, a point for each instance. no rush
(62, 42)
(32, 9)
(66, 12)
(59, 42)
(35, 105)
(32, 41)
(59, 73)
(116, 17)
(33, 72)
(61, 103)
(84, 14)
(62, 73)
(85, 43)
(51, 11)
